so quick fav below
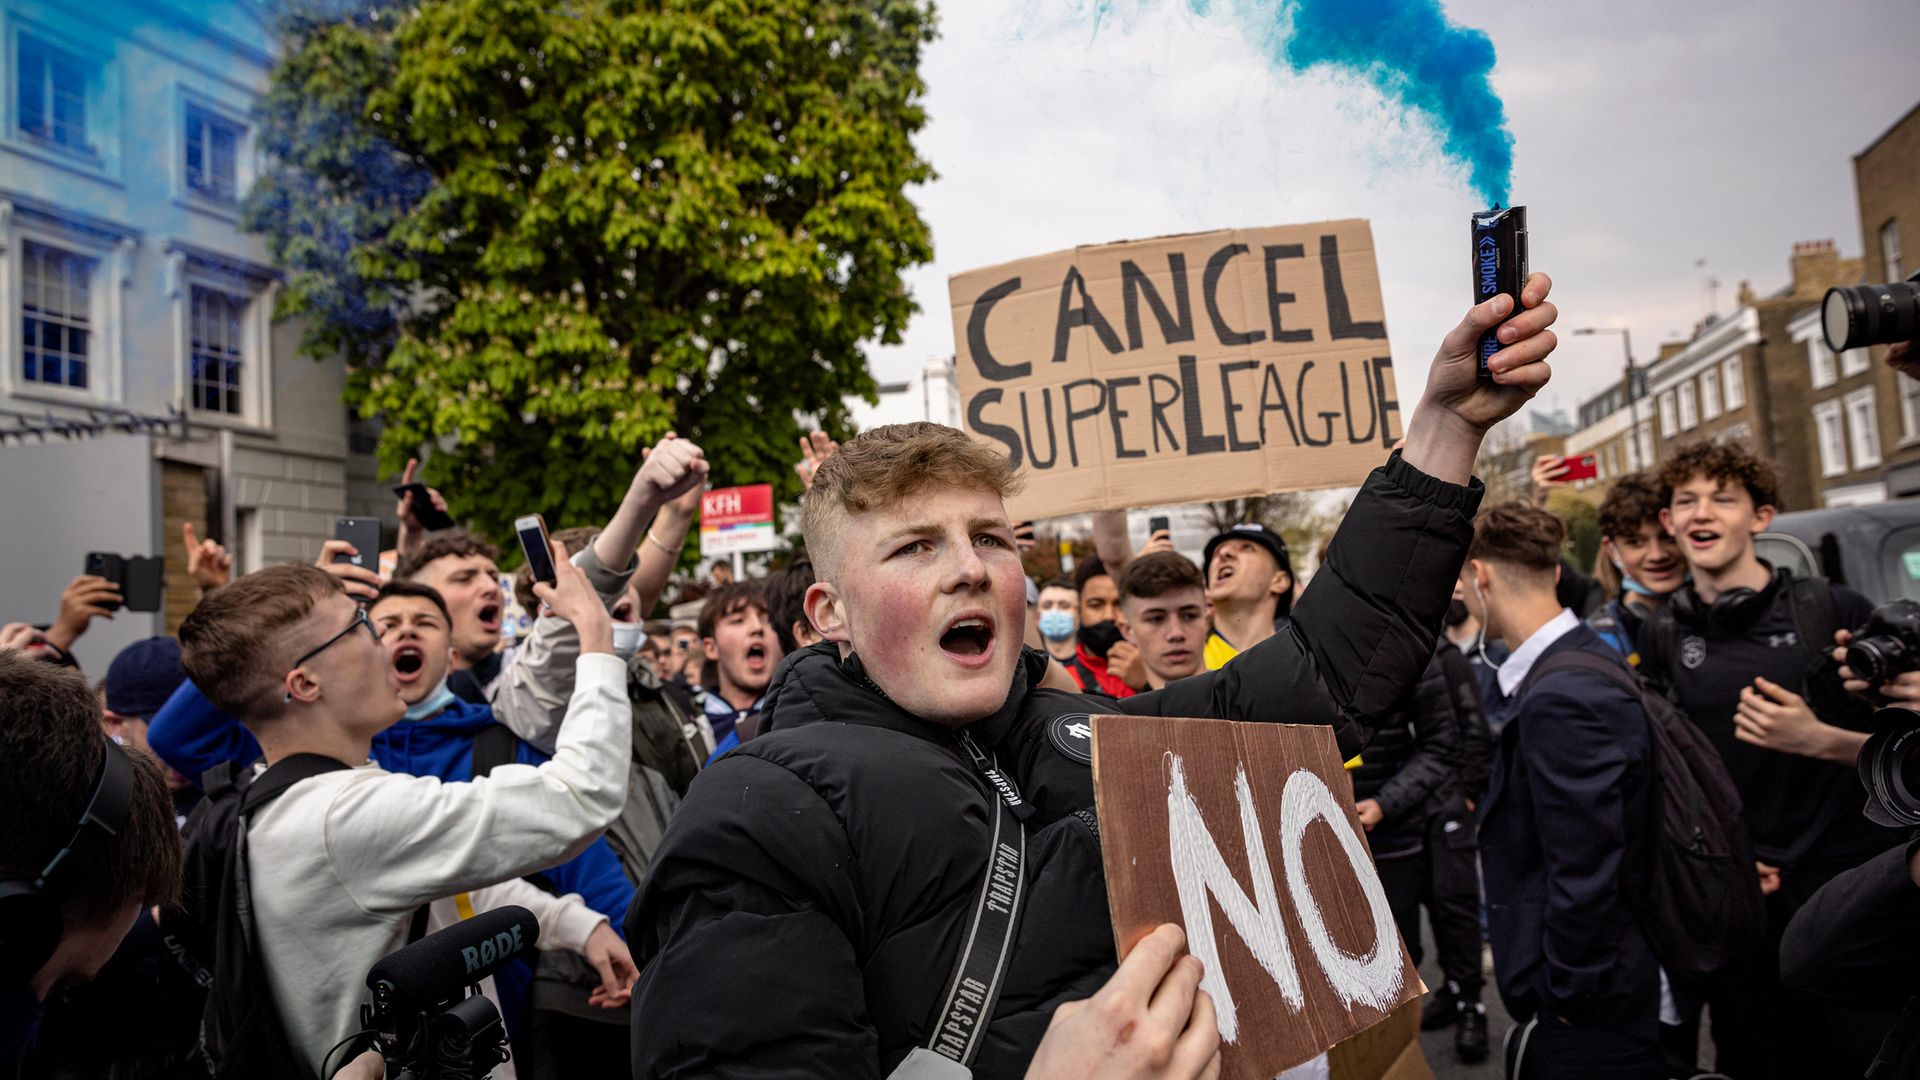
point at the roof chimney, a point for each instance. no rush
(1816, 267)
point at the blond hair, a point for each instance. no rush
(883, 466)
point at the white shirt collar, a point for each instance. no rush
(1514, 671)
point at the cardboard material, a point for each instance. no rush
(737, 519)
(1389, 1050)
(1188, 368)
(1245, 835)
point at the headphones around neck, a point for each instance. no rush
(30, 920)
(1735, 609)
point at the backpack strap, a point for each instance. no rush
(1580, 660)
(1811, 601)
(282, 775)
(1659, 639)
(493, 746)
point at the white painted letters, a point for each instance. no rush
(1373, 978)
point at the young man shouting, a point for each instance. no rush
(341, 860)
(738, 639)
(1250, 585)
(1744, 647)
(832, 864)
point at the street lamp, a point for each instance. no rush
(1633, 402)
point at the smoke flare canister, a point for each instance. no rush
(1499, 266)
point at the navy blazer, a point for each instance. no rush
(1564, 840)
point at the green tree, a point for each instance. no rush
(545, 234)
(1583, 526)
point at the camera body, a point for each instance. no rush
(1888, 646)
(463, 1038)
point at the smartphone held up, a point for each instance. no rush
(532, 532)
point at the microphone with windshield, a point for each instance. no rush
(427, 1013)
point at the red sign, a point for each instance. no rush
(749, 505)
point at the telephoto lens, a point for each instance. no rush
(1872, 314)
(1890, 768)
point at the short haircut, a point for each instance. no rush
(1157, 574)
(787, 599)
(1061, 582)
(1631, 504)
(440, 545)
(887, 465)
(1089, 568)
(1733, 462)
(231, 644)
(1518, 534)
(573, 540)
(51, 749)
(729, 598)
(398, 588)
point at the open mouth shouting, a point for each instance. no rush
(1701, 539)
(409, 661)
(756, 658)
(968, 639)
(489, 615)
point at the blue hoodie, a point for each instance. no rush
(191, 735)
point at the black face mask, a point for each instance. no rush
(1457, 613)
(1099, 637)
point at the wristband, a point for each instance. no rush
(657, 542)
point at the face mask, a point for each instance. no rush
(626, 639)
(1056, 625)
(1100, 637)
(432, 703)
(1457, 613)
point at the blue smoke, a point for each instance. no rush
(1407, 49)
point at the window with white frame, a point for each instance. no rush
(51, 95)
(1890, 250)
(1909, 408)
(56, 317)
(1689, 409)
(217, 354)
(1863, 426)
(1733, 382)
(1832, 437)
(1667, 427)
(1855, 361)
(212, 154)
(1646, 446)
(1709, 393)
(1820, 363)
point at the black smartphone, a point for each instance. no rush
(146, 580)
(532, 531)
(1159, 523)
(432, 518)
(364, 535)
(105, 564)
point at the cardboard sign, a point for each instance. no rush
(1184, 369)
(737, 519)
(1245, 835)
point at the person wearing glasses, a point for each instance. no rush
(342, 860)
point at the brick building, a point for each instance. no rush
(1887, 185)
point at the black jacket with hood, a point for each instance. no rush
(805, 909)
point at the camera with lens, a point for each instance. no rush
(425, 1011)
(1881, 651)
(1863, 315)
(1888, 646)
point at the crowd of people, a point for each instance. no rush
(755, 843)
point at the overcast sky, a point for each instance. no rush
(1648, 135)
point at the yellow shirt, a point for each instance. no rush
(1219, 650)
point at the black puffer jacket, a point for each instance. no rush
(804, 911)
(1411, 760)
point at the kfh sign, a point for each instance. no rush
(1254, 822)
(737, 519)
(1183, 369)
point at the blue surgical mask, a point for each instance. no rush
(432, 703)
(1056, 625)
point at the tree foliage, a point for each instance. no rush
(544, 234)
